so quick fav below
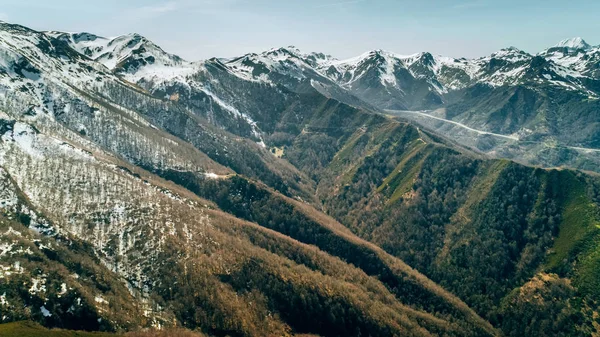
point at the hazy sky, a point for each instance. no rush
(205, 28)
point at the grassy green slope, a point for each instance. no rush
(480, 228)
(30, 329)
(579, 234)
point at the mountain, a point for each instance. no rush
(95, 238)
(131, 56)
(511, 104)
(264, 195)
(577, 55)
(384, 80)
(281, 65)
(534, 102)
(384, 71)
(575, 43)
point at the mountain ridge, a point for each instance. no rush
(269, 200)
(383, 80)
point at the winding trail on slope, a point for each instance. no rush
(398, 113)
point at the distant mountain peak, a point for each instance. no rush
(511, 49)
(574, 43)
(511, 53)
(383, 53)
(289, 50)
(130, 55)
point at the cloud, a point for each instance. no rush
(154, 11)
(342, 3)
(160, 8)
(470, 4)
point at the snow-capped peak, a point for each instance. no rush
(319, 59)
(379, 63)
(376, 56)
(574, 44)
(112, 51)
(289, 50)
(284, 62)
(85, 43)
(512, 54)
(131, 55)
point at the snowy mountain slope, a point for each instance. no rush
(277, 65)
(196, 84)
(138, 60)
(377, 79)
(53, 122)
(384, 80)
(381, 79)
(31, 61)
(576, 54)
(509, 92)
(515, 67)
(80, 149)
(103, 113)
(132, 56)
(225, 92)
(535, 99)
(172, 131)
(573, 44)
(50, 86)
(88, 44)
(506, 67)
(294, 70)
(84, 190)
(388, 80)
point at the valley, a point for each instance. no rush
(141, 191)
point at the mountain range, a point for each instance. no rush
(544, 105)
(285, 193)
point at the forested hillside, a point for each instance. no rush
(254, 201)
(493, 232)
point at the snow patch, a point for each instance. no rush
(3, 300)
(45, 311)
(211, 175)
(38, 285)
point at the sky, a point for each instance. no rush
(200, 29)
